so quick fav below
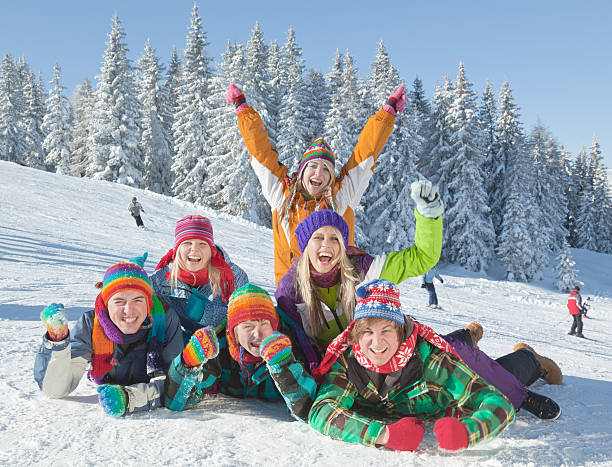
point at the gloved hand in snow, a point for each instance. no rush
(202, 346)
(451, 434)
(427, 198)
(275, 349)
(442, 281)
(235, 96)
(405, 434)
(54, 319)
(113, 399)
(139, 260)
(396, 101)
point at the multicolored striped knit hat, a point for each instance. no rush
(319, 219)
(379, 299)
(319, 149)
(191, 227)
(249, 302)
(126, 276)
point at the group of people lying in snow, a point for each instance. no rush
(337, 347)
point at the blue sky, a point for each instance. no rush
(557, 55)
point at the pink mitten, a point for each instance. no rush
(451, 434)
(235, 96)
(405, 434)
(396, 101)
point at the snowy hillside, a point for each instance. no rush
(57, 236)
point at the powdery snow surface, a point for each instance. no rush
(58, 234)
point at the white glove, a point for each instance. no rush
(427, 198)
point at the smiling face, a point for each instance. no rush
(194, 255)
(316, 177)
(127, 310)
(324, 249)
(379, 340)
(249, 334)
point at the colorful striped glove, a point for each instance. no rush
(113, 399)
(202, 346)
(54, 319)
(396, 101)
(451, 434)
(275, 349)
(235, 96)
(405, 434)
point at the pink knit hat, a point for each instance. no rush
(193, 227)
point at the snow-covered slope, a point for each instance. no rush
(57, 236)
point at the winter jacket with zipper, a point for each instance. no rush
(395, 267)
(215, 312)
(433, 384)
(186, 387)
(59, 366)
(574, 303)
(348, 189)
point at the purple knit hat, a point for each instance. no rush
(319, 219)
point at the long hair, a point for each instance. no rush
(214, 276)
(349, 278)
(297, 186)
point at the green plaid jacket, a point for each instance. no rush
(432, 385)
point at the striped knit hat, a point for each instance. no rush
(380, 299)
(319, 149)
(249, 302)
(126, 276)
(192, 227)
(319, 219)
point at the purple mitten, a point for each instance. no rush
(396, 101)
(54, 319)
(235, 96)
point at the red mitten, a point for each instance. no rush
(405, 434)
(451, 434)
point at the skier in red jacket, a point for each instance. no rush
(574, 304)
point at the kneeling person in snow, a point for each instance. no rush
(389, 365)
(256, 359)
(128, 343)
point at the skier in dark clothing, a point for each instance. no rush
(428, 283)
(574, 304)
(135, 208)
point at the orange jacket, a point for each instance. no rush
(348, 189)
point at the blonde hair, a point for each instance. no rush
(298, 187)
(362, 324)
(349, 278)
(214, 276)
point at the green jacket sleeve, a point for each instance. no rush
(185, 387)
(331, 412)
(418, 258)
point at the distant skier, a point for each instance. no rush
(574, 304)
(428, 283)
(135, 207)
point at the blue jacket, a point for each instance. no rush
(428, 277)
(213, 313)
(59, 366)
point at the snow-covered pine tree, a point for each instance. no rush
(12, 135)
(567, 275)
(58, 142)
(569, 191)
(274, 100)
(509, 146)
(115, 134)
(32, 120)
(235, 188)
(295, 112)
(155, 141)
(83, 98)
(420, 108)
(574, 200)
(190, 128)
(594, 223)
(318, 93)
(469, 236)
(171, 92)
(487, 116)
(342, 125)
(256, 80)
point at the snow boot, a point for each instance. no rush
(579, 335)
(541, 406)
(476, 332)
(571, 333)
(551, 373)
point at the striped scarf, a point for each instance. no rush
(105, 337)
